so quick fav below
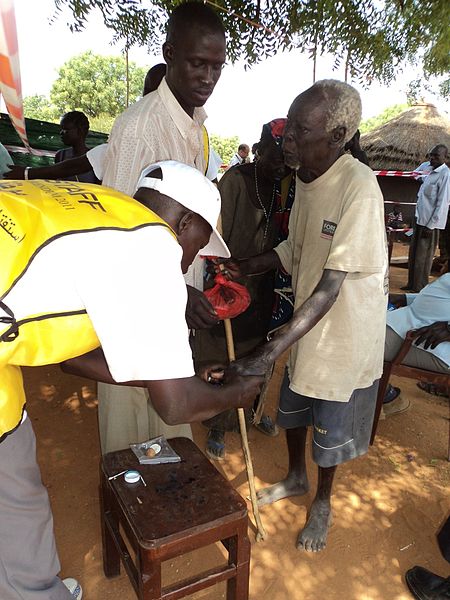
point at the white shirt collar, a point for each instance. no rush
(181, 119)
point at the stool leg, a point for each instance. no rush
(239, 554)
(111, 556)
(149, 577)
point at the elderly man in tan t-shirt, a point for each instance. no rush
(336, 254)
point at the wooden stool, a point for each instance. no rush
(185, 506)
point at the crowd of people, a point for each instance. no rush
(293, 229)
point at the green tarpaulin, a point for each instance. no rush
(43, 137)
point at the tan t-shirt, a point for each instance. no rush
(337, 222)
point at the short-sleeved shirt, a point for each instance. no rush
(135, 300)
(337, 222)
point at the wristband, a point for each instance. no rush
(25, 173)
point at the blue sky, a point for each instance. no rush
(243, 99)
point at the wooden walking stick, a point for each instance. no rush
(261, 533)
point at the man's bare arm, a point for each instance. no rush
(176, 400)
(303, 320)
(61, 170)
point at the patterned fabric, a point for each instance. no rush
(283, 304)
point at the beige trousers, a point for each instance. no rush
(126, 416)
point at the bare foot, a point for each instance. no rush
(313, 538)
(291, 486)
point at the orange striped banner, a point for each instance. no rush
(10, 82)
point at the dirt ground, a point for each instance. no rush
(387, 505)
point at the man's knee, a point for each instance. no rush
(392, 344)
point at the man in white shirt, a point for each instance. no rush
(432, 207)
(240, 156)
(114, 310)
(339, 277)
(428, 314)
(165, 124)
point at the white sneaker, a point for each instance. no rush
(74, 588)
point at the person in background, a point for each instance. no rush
(241, 156)
(255, 151)
(355, 149)
(256, 202)
(153, 78)
(424, 168)
(74, 129)
(425, 585)
(433, 200)
(428, 313)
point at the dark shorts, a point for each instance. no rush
(341, 430)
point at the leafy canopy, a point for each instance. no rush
(96, 85)
(224, 146)
(370, 38)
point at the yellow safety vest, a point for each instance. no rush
(32, 215)
(205, 148)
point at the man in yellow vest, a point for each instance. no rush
(113, 309)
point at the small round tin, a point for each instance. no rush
(132, 476)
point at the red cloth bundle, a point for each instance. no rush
(229, 298)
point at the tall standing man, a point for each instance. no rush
(432, 207)
(336, 254)
(165, 124)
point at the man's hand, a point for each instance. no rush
(232, 268)
(15, 172)
(398, 300)
(199, 312)
(432, 335)
(247, 387)
(257, 363)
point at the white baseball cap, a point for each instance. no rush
(189, 187)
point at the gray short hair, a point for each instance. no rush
(343, 105)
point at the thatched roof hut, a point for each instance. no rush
(403, 142)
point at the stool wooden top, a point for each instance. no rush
(189, 495)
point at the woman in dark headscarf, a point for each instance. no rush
(256, 201)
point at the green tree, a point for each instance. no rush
(224, 146)
(370, 38)
(386, 115)
(39, 107)
(96, 85)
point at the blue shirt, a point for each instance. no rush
(430, 305)
(433, 199)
